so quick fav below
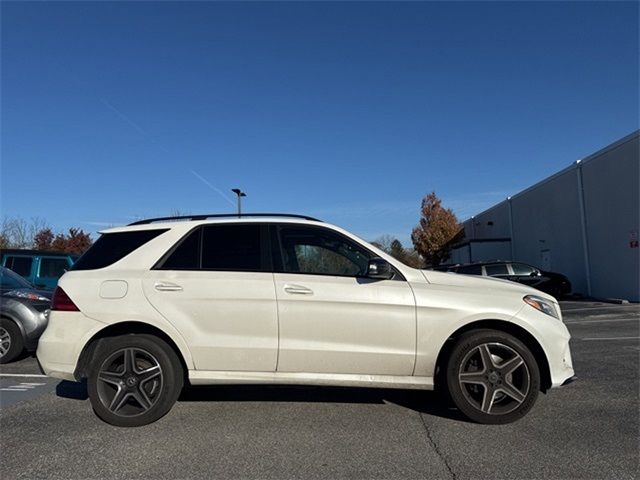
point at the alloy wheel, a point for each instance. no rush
(5, 342)
(129, 382)
(494, 378)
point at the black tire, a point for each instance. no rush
(493, 394)
(11, 331)
(132, 397)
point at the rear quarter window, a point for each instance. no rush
(112, 247)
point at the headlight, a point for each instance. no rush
(26, 295)
(543, 305)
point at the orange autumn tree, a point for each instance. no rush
(76, 241)
(438, 226)
(43, 239)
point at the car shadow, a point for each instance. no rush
(426, 402)
(72, 390)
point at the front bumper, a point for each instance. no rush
(553, 336)
(37, 327)
(31, 318)
(62, 342)
(560, 361)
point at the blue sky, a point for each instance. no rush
(348, 111)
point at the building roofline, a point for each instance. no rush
(578, 163)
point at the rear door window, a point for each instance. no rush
(20, 265)
(111, 247)
(185, 255)
(234, 247)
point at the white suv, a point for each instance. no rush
(286, 299)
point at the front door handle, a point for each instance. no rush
(298, 290)
(167, 287)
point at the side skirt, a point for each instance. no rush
(209, 377)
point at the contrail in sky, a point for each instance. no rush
(124, 117)
(208, 184)
(133, 124)
(145, 134)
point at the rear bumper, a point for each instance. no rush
(40, 369)
(62, 342)
(570, 380)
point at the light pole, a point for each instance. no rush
(240, 194)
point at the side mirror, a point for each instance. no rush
(535, 273)
(380, 269)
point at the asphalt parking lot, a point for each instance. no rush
(589, 429)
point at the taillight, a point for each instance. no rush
(61, 301)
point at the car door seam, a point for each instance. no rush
(275, 292)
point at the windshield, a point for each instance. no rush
(9, 279)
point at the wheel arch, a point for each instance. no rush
(5, 316)
(508, 327)
(120, 329)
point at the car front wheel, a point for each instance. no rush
(11, 343)
(492, 377)
(134, 380)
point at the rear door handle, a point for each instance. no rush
(298, 290)
(167, 287)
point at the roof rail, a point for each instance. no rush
(219, 215)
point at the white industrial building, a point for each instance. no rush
(582, 222)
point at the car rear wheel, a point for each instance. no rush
(134, 380)
(492, 377)
(11, 342)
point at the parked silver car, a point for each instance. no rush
(23, 315)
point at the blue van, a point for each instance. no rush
(42, 269)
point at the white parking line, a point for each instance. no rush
(13, 389)
(32, 384)
(25, 375)
(605, 321)
(612, 338)
(590, 309)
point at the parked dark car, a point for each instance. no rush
(552, 283)
(42, 269)
(23, 315)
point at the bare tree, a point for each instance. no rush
(18, 233)
(383, 242)
(394, 247)
(4, 241)
(176, 212)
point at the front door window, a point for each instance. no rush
(320, 252)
